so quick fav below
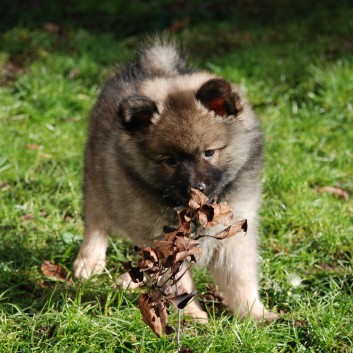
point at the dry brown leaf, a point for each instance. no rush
(13, 69)
(185, 350)
(32, 146)
(135, 273)
(169, 261)
(172, 235)
(185, 227)
(163, 248)
(156, 295)
(208, 211)
(183, 243)
(213, 300)
(149, 257)
(169, 330)
(213, 295)
(184, 255)
(202, 219)
(240, 226)
(27, 217)
(162, 312)
(179, 25)
(197, 199)
(211, 215)
(335, 191)
(222, 213)
(183, 216)
(51, 27)
(154, 313)
(167, 229)
(54, 272)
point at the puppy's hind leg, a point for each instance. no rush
(92, 254)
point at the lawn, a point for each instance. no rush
(297, 70)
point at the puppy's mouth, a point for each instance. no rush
(181, 200)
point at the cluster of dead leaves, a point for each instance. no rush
(160, 268)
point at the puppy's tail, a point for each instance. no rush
(162, 56)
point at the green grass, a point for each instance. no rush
(298, 74)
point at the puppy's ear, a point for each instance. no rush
(136, 112)
(217, 95)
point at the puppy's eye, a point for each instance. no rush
(171, 162)
(208, 153)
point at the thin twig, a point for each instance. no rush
(179, 321)
(176, 280)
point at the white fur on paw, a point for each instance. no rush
(269, 316)
(124, 281)
(260, 313)
(85, 267)
(196, 313)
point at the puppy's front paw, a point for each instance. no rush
(84, 267)
(270, 316)
(261, 314)
(193, 310)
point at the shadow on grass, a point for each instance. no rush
(130, 18)
(24, 287)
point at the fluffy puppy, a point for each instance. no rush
(157, 130)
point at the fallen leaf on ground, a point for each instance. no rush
(9, 72)
(27, 217)
(335, 191)
(54, 272)
(51, 27)
(213, 300)
(185, 350)
(32, 146)
(213, 295)
(179, 25)
(11, 68)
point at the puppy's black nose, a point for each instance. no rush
(200, 186)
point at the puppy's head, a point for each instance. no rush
(185, 140)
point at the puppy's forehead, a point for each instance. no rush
(159, 88)
(180, 101)
(186, 126)
(182, 124)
